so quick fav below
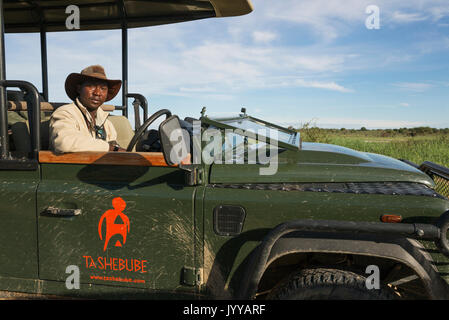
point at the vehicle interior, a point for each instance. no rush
(141, 140)
(18, 124)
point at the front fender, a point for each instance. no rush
(409, 252)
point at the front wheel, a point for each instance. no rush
(327, 284)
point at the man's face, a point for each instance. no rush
(93, 93)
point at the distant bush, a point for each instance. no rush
(311, 133)
(316, 134)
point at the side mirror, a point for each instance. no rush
(175, 142)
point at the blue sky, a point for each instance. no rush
(289, 61)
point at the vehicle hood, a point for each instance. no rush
(317, 162)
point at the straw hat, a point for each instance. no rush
(91, 72)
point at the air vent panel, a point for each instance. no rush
(228, 220)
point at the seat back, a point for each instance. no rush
(124, 130)
(22, 138)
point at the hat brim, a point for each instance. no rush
(75, 79)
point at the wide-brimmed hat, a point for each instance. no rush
(91, 72)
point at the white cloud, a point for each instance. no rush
(404, 104)
(322, 85)
(264, 36)
(225, 67)
(439, 12)
(197, 89)
(324, 18)
(413, 86)
(403, 17)
(331, 19)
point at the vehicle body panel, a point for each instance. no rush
(158, 244)
(267, 208)
(18, 233)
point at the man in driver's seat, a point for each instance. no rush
(83, 125)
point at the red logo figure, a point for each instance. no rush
(113, 228)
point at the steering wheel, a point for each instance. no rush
(145, 125)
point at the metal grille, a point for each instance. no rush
(386, 188)
(440, 176)
(442, 186)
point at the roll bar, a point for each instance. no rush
(33, 114)
(139, 101)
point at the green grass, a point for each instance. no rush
(418, 148)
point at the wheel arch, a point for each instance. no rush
(404, 251)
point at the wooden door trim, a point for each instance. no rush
(147, 159)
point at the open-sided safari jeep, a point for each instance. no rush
(321, 221)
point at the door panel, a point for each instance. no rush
(149, 241)
(18, 235)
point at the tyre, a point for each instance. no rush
(327, 284)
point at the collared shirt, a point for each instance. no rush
(72, 129)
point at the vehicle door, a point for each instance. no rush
(19, 179)
(124, 219)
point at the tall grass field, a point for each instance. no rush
(415, 144)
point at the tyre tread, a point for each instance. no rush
(340, 284)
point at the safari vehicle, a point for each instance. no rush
(142, 224)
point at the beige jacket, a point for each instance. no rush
(69, 131)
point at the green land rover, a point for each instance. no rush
(248, 216)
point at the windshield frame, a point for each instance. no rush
(295, 135)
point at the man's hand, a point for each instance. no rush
(114, 146)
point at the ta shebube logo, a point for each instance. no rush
(113, 224)
(113, 228)
(116, 223)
